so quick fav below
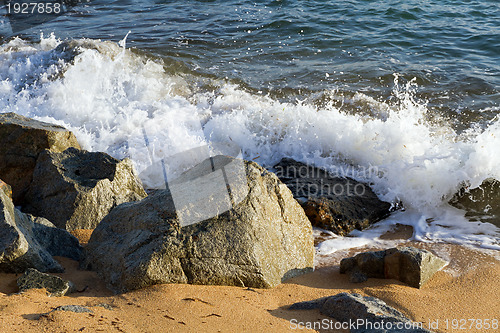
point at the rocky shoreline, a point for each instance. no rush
(50, 187)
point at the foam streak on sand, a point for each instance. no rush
(110, 96)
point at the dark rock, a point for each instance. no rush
(406, 264)
(69, 308)
(75, 189)
(19, 248)
(481, 203)
(333, 203)
(58, 242)
(362, 314)
(265, 239)
(374, 313)
(33, 279)
(347, 265)
(22, 140)
(411, 266)
(357, 276)
(369, 263)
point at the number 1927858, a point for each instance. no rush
(34, 8)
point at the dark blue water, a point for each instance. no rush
(300, 49)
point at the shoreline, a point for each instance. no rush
(465, 289)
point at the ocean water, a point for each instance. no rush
(409, 90)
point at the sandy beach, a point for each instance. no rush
(467, 288)
(240, 143)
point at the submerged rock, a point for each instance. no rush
(264, 239)
(75, 189)
(22, 140)
(55, 286)
(407, 264)
(333, 203)
(19, 248)
(363, 314)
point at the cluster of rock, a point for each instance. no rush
(264, 239)
(44, 171)
(140, 240)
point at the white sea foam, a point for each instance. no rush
(117, 101)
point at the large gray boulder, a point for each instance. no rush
(264, 239)
(19, 248)
(339, 204)
(22, 140)
(407, 264)
(362, 314)
(75, 189)
(55, 286)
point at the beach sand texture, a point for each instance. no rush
(467, 288)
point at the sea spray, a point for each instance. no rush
(112, 98)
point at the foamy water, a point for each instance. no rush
(126, 104)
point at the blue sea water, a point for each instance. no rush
(291, 47)
(409, 87)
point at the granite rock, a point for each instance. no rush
(19, 248)
(262, 240)
(76, 189)
(411, 266)
(22, 140)
(407, 264)
(58, 242)
(339, 204)
(55, 286)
